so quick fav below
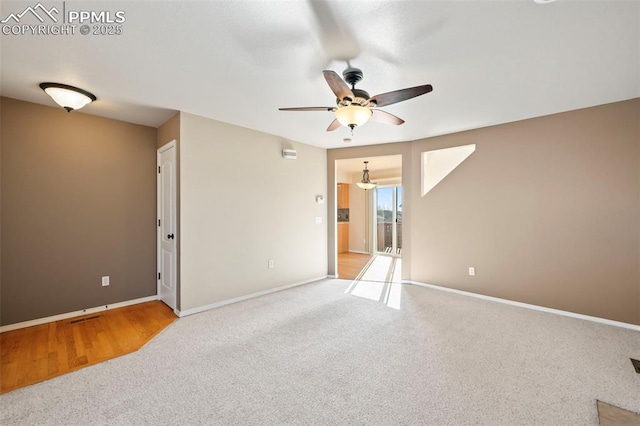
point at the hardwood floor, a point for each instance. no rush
(33, 354)
(610, 415)
(350, 264)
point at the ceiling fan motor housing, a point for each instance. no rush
(352, 75)
(361, 98)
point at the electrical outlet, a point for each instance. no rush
(105, 281)
(472, 271)
(318, 219)
(271, 263)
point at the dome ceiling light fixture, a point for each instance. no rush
(366, 183)
(68, 97)
(353, 115)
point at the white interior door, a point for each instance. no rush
(167, 237)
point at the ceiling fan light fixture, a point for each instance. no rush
(68, 97)
(366, 182)
(353, 115)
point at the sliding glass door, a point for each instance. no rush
(388, 220)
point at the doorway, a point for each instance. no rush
(366, 256)
(388, 220)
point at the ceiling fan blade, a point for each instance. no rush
(396, 96)
(338, 41)
(330, 109)
(384, 117)
(338, 86)
(334, 125)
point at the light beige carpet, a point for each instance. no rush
(314, 355)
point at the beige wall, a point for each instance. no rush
(358, 221)
(547, 210)
(169, 131)
(243, 204)
(78, 202)
(0, 211)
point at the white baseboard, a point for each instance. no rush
(332, 277)
(359, 252)
(59, 317)
(528, 306)
(241, 298)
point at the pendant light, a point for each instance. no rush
(366, 182)
(68, 97)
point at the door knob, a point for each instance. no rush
(170, 236)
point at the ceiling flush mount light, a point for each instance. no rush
(353, 115)
(543, 1)
(366, 182)
(68, 97)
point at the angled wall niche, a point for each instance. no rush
(437, 164)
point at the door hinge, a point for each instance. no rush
(158, 169)
(158, 222)
(158, 275)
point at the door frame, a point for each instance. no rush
(172, 144)
(394, 219)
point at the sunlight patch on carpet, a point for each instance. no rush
(379, 281)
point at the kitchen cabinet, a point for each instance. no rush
(343, 195)
(343, 237)
(343, 227)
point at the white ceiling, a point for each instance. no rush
(489, 62)
(356, 165)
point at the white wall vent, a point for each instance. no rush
(289, 154)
